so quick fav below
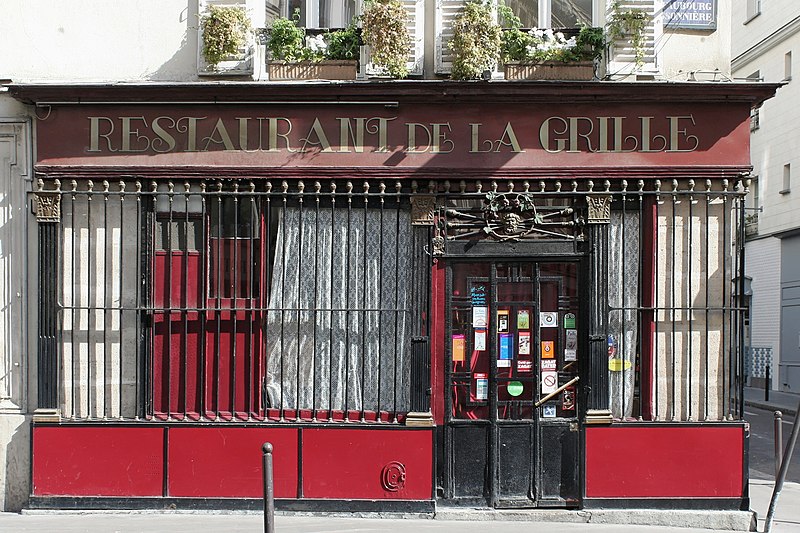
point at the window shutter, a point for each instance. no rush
(446, 12)
(240, 64)
(622, 60)
(416, 33)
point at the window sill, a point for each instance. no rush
(785, 191)
(749, 19)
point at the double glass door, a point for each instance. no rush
(514, 356)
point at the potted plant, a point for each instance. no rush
(225, 33)
(476, 41)
(547, 54)
(385, 32)
(629, 25)
(297, 56)
(550, 55)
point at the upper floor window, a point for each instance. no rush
(316, 13)
(753, 9)
(553, 13)
(787, 66)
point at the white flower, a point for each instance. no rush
(316, 44)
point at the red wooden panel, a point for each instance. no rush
(664, 462)
(224, 462)
(98, 461)
(366, 463)
(233, 366)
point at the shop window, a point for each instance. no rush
(219, 301)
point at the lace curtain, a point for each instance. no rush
(338, 318)
(623, 295)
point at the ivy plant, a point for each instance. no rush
(476, 42)
(225, 31)
(286, 40)
(343, 44)
(385, 30)
(629, 24)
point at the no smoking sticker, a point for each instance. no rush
(549, 381)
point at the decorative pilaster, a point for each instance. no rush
(48, 217)
(599, 214)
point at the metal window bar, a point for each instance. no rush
(94, 356)
(152, 329)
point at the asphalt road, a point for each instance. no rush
(762, 450)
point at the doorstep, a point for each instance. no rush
(711, 519)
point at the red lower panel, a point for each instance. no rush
(98, 461)
(227, 462)
(666, 462)
(367, 464)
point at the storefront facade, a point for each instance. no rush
(427, 293)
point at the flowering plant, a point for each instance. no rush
(287, 41)
(537, 44)
(547, 45)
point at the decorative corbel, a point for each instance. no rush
(599, 209)
(48, 203)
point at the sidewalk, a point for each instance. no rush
(467, 521)
(785, 402)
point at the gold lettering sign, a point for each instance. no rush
(341, 135)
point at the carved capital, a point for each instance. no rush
(422, 209)
(599, 209)
(48, 206)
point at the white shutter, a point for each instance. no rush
(446, 12)
(416, 49)
(416, 31)
(240, 64)
(622, 60)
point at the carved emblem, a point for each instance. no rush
(511, 217)
(422, 208)
(393, 476)
(599, 209)
(48, 207)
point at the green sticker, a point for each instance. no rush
(569, 321)
(515, 388)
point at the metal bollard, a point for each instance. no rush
(269, 495)
(778, 442)
(787, 457)
(767, 384)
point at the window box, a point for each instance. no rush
(329, 69)
(550, 70)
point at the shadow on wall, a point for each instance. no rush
(17, 463)
(182, 66)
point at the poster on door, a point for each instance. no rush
(480, 317)
(459, 345)
(571, 345)
(506, 350)
(524, 343)
(549, 381)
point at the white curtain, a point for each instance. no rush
(623, 292)
(338, 319)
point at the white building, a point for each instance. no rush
(765, 46)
